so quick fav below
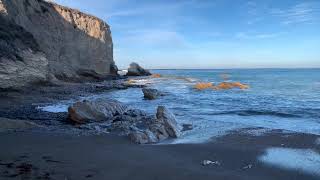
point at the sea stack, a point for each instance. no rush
(136, 70)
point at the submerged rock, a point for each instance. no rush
(136, 70)
(187, 127)
(151, 94)
(95, 111)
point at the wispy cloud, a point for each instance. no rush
(155, 38)
(305, 12)
(160, 8)
(244, 35)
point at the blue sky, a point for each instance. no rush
(211, 33)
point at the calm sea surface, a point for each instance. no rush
(287, 99)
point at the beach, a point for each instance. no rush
(53, 156)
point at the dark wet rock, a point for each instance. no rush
(169, 121)
(151, 94)
(135, 113)
(187, 127)
(99, 110)
(153, 130)
(143, 137)
(106, 115)
(159, 131)
(136, 70)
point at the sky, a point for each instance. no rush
(210, 33)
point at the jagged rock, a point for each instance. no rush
(95, 111)
(169, 121)
(151, 94)
(117, 118)
(159, 131)
(40, 39)
(136, 70)
(14, 125)
(143, 137)
(135, 113)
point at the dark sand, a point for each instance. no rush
(27, 155)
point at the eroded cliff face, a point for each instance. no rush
(21, 61)
(71, 45)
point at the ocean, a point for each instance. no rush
(285, 99)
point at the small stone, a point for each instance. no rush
(208, 162)
(248, 166)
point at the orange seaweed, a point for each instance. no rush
(131, 81)
(201, 86)
(230, 85)
(156, 75)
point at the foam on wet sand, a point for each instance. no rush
(305, 160)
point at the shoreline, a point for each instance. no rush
(113, 157)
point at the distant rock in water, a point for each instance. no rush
(41, 41)
(136, 70)
(151, 94)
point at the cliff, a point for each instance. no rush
(42, 41)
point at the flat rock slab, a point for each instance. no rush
(14, 125)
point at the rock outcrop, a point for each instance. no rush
(40, 41)
(21, 61)
(169, 121)
(136, 70)
(140, 127)
(95, 111)
(151, 94)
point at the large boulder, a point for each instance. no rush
(151, 94)
(169, 121)
(136, 70)
(95, 111)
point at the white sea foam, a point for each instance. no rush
(58, 108)
(257, 132)
(304, 160)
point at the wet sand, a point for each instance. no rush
(30, 155)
